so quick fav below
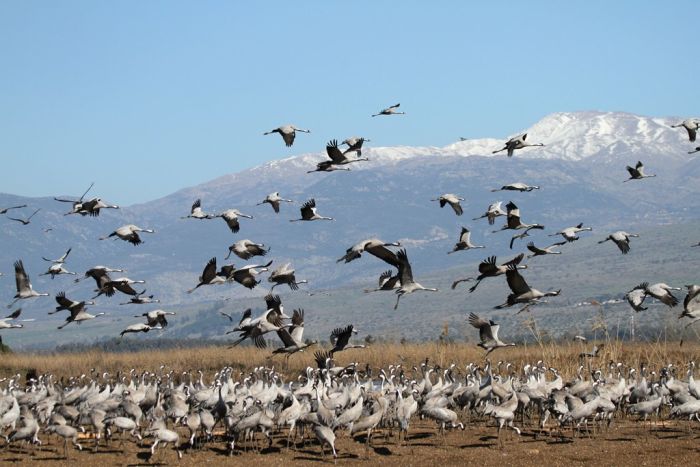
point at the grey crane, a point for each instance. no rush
(464, 242)
(4, 210)
(26, 221)
(23, 285)
(309, 213)
(246, 249)
(517, 186)
(513, 222)
(451, 199)
(408, 285)
(99, 273)
(57, 269)
(5, 322)
(392, 110)
(255, 329)
(691, 304)
(57, 266)
(488, 334)
(637, 172)
(65, 303)
(157, 317)
(549, 250)
(495, 210)
(140, 327)
(288, 133)
(387, 281)
(662, 292)
(697, 149)
(92, 207)
(338, 157)
(129, 233)
(109, 286)
(285, 274)
(274, 200)
(373, 246)
(77, 204)
(636, 296)
(141, 299)
(327, 166)
(569, 233)
(325, 435)
(245, 275)
(78, 315)
(293, 337)
(621, 239)
(522, 292)
(340, 339)
(354, 144)
(691, 126)
(230, 216)
(209, 276)
(516, 142)
(489, 268)
(60, 260)
(196, 212)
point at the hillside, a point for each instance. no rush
(580, 171)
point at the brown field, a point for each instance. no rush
(626, 442)
(563, 356)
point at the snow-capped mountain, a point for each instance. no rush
(580, 170)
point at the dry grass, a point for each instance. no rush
(563, 356)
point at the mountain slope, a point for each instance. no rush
(580, 170)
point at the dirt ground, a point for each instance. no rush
(624, 443)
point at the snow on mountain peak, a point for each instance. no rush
(566, 135)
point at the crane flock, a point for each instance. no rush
(331, 398)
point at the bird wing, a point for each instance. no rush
(15, 314)
(691, 134)
(488, 265)
(457, 208)
(307, 209)
(383, 277)
(482, 325)
(513, 262)
(513, 215)
(273, 302)
(209, 271)
(341, 336)
(538, 251)
(633, 172)
(334, 152)
(395, 106)
(321, 357)
(623, 245)
(21, 278)
(516, 282)
(286, 337)
(298, 317)
(195, 205)
(125, 288)
(464, 235)
(289, 138)
(246, 315)
(385, 254)
(405, 271)
(62, 300)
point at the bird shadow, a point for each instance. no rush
(476, 445)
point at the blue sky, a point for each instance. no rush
(144, 98)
